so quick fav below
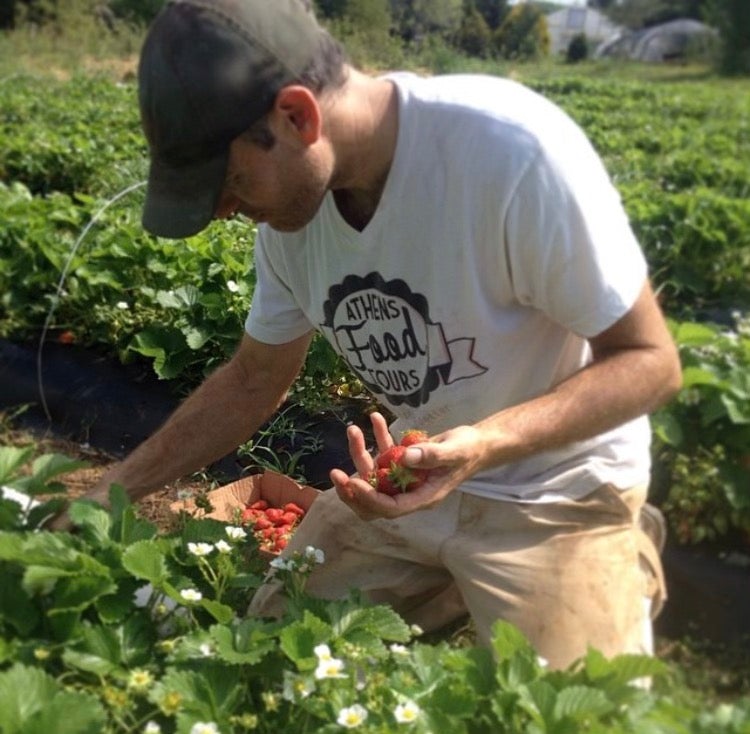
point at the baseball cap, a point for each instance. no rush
(208, 70)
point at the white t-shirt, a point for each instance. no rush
(498, 246)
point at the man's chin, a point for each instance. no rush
(286, 226)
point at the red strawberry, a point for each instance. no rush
(290, 518)
(259, 505)
(247, 516)
(412, 436)
(393, 455)
(292, 507)
(262, 523)
(381, 480)
(407, 479)
(274, 514)
(403, 478)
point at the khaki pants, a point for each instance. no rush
(570, 575)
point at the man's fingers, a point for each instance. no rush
(383, 437)
(361, 458)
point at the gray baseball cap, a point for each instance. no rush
(208, 70)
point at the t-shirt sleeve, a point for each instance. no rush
(569, 245)
(275, 316)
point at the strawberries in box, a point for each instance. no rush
(248, 501)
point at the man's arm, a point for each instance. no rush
(635, 370)
(230, 405)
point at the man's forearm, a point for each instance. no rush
(215, 419)
(636, 369)
(600, 397)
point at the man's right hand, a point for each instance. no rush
(62, 522)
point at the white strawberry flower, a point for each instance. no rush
(191, 595)
(202, 727)
(282, 564)
(235, 533)
(151, 728)
(322, 652)
(331, 668)
(407, 713)
(397, 649)
(223, 547)
(200, 549)
(352, 716)
(315, 554)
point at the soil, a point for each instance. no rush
(155, 508)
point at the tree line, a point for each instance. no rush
(477, 28)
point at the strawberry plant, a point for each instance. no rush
(282, 444)
(120, 629)
(703, 436)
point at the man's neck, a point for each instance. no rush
(363, 129)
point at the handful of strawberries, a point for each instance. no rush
(272, 526)
(390, 476)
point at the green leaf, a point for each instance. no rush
(44, 511)
(74, 594)
(32, 702)
(184, 297)
(166, 346)
(206, 694)
(581, 701)
(105, 649)
(543, 697)
(738, 409)
(299, 639)
(380, 621)
(623, 669)
(89, 662)
(44, 549)
(246, 643)
(454, 698)
(12, 459)
(48, 466)
(16, 605)
(694, 335)
(220, 612)
(692, 376)
(95, 522)
(126, 526)
(24, 692)
(667, 428)
(69, 712)
(197, 337)
(42, 579)
(145, 560)
(508, 640)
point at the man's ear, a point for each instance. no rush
(297, 108)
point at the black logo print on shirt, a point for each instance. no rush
(384, 332)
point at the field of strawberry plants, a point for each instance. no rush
(76, 266)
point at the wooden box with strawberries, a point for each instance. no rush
(269, 505)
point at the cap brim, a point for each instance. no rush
(181, 200)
